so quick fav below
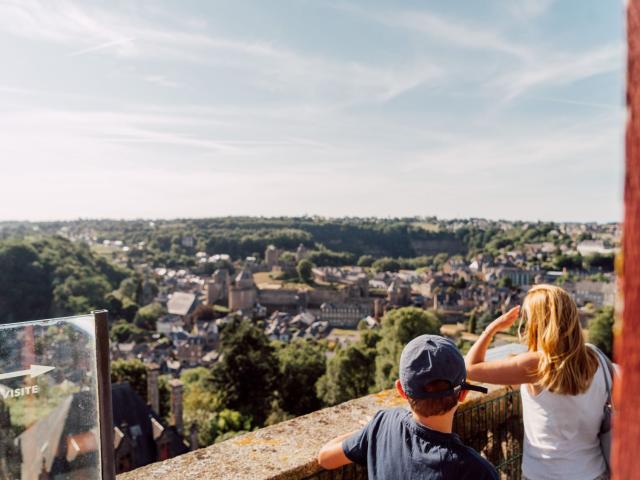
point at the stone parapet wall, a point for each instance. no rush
(491, 423)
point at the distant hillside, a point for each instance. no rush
(51, 277)
(334, 241)
(244, 236)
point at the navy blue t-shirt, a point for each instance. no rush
(394, 446)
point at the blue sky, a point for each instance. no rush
(127, 109)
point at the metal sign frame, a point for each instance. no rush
(105, 412)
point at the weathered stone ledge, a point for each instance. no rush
(284, 451)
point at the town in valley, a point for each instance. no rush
(308, 310)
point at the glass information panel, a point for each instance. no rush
(49, 400)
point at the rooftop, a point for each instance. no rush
(180, 303)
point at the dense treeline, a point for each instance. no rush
(332, 242)
(493, 239)
(341, 241)
(394, 243)
(51, 277)
(338, 241)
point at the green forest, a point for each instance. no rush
(412, 242)
(47, 277)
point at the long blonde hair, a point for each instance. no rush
(553, 329)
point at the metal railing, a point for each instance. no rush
(494, 428)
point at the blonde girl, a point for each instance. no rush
(562, 386)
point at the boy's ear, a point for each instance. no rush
(400, 390)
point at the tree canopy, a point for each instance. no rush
(304, 269)
(52, 277)
(132, 371)
(350, 372)
(398, 328)
(601, 331)
(386, 265)
(301, 364)
(245, 376)
(25, 283)
(125, 332)
(203, 408)
(147, 316)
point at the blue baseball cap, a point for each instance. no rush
(428, 358)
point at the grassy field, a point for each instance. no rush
(343, 336)
(429, 227)
(106, 251)
(266, 280)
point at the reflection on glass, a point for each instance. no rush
(48, 400)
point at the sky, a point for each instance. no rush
(148, 109)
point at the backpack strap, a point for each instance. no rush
(608, 368)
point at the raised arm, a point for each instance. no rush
(509, 371)
(479, 349)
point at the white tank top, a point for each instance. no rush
(561, 433)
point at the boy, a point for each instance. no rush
(417, 444)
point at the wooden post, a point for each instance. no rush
(627, 348)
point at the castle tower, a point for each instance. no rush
(301, 253)
(218, 286)
(399, 293)
(243, 294)
(271, 256)
(393, 292)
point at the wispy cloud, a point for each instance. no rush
(65, 134)
(18, 90)
(267, 66)
(532, 153)
(456, 33)
(161, 81)
(559, 69)
(566, 101)
(535, 66)
(61, 22)
(90, 29)
(527, 9)
(102, 46)
(447, 31)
